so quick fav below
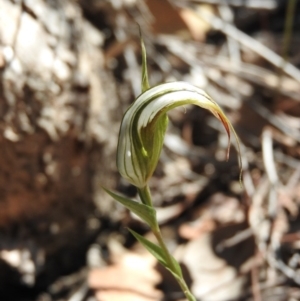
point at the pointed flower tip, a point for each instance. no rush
(145, 82)
(145, 122)
(229, 128)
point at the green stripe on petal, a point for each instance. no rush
(145, 122)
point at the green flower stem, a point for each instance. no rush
(145, 196)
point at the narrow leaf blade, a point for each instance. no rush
(159, 254)
(154, 249)
(178, 272)
(146, 213)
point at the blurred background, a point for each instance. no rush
(69, 70)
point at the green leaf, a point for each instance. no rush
(159, 254)
(154, 249)
(178, 272)
(145, 82)
(145, 212)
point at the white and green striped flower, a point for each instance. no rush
(140, 143)
(145, 122)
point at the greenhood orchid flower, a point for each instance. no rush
(140, 143)
(145, 122)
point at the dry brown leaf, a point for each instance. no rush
(166, 18)
(132, 278)
(215, 274)
(193, 231)
(197, 26)
(215, 254)
(220, 209)
(113, 295)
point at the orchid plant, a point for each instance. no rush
(140, 143)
